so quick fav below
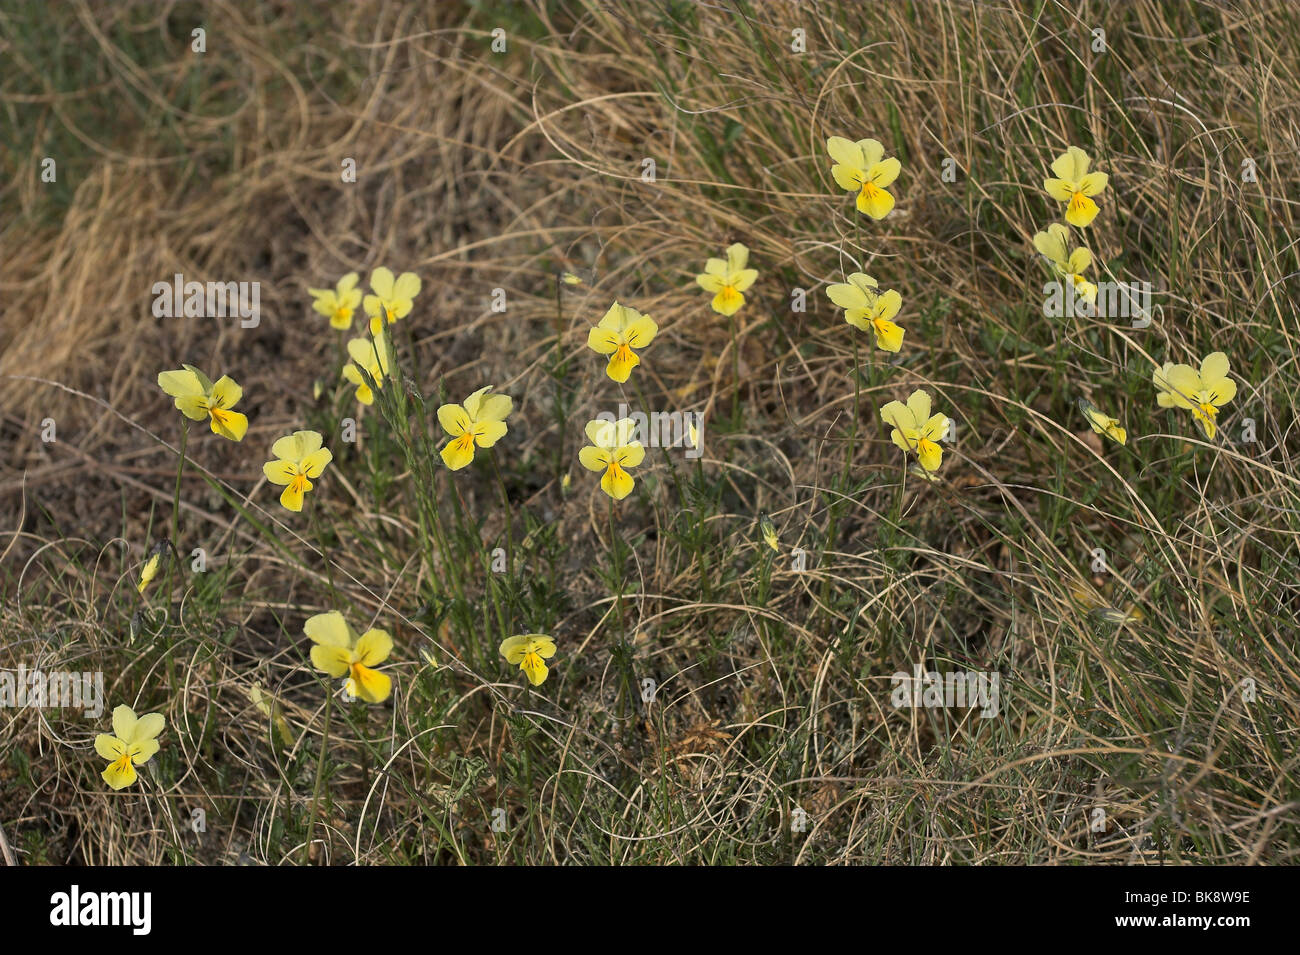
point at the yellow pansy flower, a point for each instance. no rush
(393, 298)
(620, 331)
(1069, 265)
(480, 421)
(860, 291)
(198, 398)
(338, 304)
(528, 651)
(727, 279)
(132, 743)
(612, 451)
(1076, 186)
(1102, 423)
(861, 167)
(298, 456)
(1203, 392)
(371, 356)
(878, 318)
(151, 566)
(915, 429)
(340, 652)
(1099, 609)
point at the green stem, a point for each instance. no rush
(505, 503)
(176, 551)
(735, 361)
(320, 774)
(324, 553)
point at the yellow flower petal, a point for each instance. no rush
(1081, 210)
(512, 648)
(848, 178)
(313, 464)
(180, 384)
(621, 364)
(225, 393)
(603, 341)
(630, 455)
(872, 151)
(124, 723)
(288, 448)
(381, 281)
(1093, 184)
(329, 629)
(744, 279)
(291, 497)
(374, 647)
(194, 407)
(280, 472)
(229, 424)
(334, 661)
(1071, 165)
(919, 404)
(845, 151)
(728, 301)
(369, 685)
(640, 332)
(143, 751)
(603, 433)
(904, 441)
(1053, 242)
(109, 747)
(886, 306)
(147, 728)
(459, 451)
(710, 283)
(930, 454)
(534, 669)
(889, 337)
(874, 201)
(1214, 368)
(1058, 189)
(884, 173)
(594, 459)
(407, 286)
(489, 433)
(898, 415)
(454, 419)
(616, 482)
(119, 774)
